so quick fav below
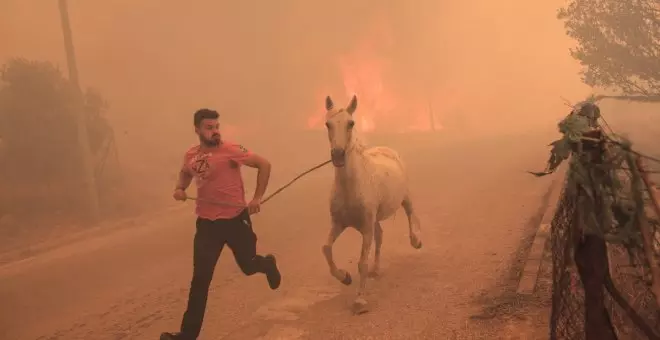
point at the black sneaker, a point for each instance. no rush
(272, 273)
(173, 336)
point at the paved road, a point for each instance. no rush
(474, 200)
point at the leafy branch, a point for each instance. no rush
(618, 43)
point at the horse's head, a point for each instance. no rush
(340, 123)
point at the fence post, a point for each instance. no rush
(590, 247)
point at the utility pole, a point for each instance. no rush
(89, 180)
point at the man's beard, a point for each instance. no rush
(214, 141)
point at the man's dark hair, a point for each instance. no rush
(202, 114)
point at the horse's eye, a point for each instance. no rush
(351, 124)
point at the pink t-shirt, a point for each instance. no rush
(217, 173)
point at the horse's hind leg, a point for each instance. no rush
(413, 223)
(340, 274)
(378, 240)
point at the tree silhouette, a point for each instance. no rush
(618, 43)
(37, 125)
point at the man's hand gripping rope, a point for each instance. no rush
(254, 207)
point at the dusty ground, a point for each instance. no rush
(478, 210)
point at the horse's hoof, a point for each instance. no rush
(415, 243)
(347, 279)
(360, 306)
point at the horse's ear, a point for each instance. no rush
(328, 103)
(352, 105)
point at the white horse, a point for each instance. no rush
(370, 185)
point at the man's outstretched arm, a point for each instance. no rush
(263, 176)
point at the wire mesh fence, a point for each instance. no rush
(621, 305)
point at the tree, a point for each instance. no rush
(618, 43)
(38, 127)
(98, 128)
(35, 102)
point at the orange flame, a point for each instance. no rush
(364, 72)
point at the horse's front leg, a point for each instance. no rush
(340, 274)
(367, 231)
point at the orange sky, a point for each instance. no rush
(479, 60)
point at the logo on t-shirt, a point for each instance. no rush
(242, 148)
(200, 165)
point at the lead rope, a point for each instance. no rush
(269, 196)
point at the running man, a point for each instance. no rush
(215, 165)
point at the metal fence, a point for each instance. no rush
(587, 302)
